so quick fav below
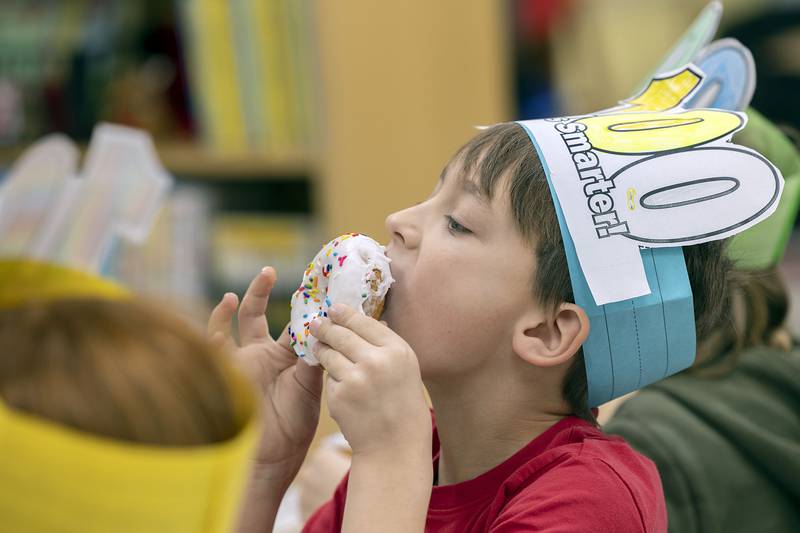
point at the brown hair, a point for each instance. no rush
(505, 152)
(759, 305)
(120, 369)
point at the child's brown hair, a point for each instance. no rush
(505, 152)
(121, 369)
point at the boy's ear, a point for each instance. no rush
(551, 340)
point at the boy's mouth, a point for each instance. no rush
(388, 298)
(387, 304)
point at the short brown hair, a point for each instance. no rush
(121, 369)
(505, 152)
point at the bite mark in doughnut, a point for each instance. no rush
(351, 269)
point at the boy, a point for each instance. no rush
(480, 311)
(490, 310)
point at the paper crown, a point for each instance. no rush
(26, 280)
(54, 478)
(634, 183)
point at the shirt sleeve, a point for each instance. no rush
(579, 495)
(329, 517)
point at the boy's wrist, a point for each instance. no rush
(388, 482)
(412, 446)
(277, 473)
(403, 458)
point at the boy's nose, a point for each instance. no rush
(402, 229)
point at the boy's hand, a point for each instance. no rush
(290, 389)
(374, 387)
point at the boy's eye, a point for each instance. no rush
(454, 227)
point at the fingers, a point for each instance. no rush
(339, 338)
(334, 362)
(369, 329)
(252, 319)
(219, 322)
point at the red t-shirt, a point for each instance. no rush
(571, 478)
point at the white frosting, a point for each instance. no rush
(340, 273)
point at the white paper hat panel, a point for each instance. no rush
(651, 172)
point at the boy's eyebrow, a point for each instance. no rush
(471, 188)
(468, 187)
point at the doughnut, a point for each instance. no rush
(351, 269)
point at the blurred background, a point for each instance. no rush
(289, 122)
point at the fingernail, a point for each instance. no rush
(264, 269)
(336, 310)
(314, 325)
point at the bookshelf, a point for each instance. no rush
(188, 159)
(193, 160)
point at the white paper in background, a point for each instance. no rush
(31, 193)
(662, 178)
(57, 222)
(173, 263)
(124, 185)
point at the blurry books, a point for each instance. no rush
(238, 75)
(251, 72)
(64, 66)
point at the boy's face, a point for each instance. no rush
(463, 276)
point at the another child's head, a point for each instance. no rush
(483, 289)
(116, 416)
(119, 369)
